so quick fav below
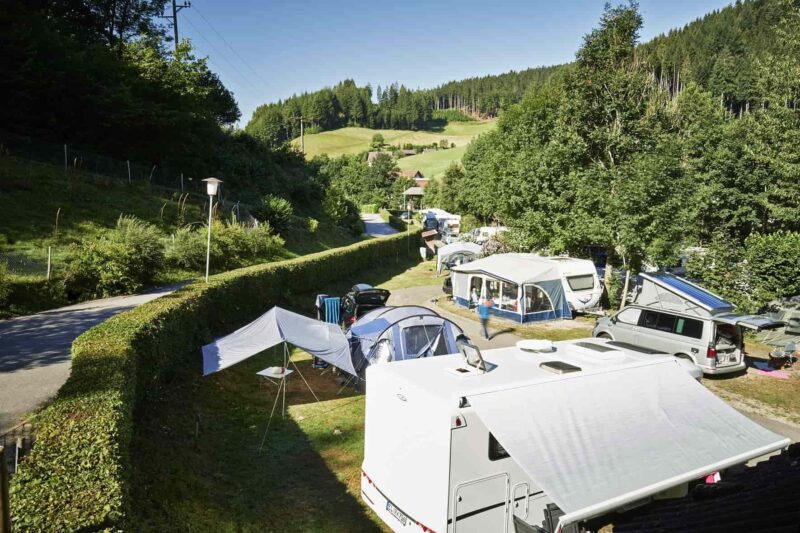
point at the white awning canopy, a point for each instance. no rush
(320, 339)
(594, 442)
(516, 268)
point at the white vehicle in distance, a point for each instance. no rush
(484, 233)
(581, 284)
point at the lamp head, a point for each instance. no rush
(212, 184)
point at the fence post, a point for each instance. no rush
(49, 258)
(181, 181)
(5, 512)
(65, 158)
(129, 171)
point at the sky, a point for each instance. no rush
(266, 50)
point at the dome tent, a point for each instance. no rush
(400, 333)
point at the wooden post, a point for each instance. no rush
(129, 172)
(181, 182)
(5, 513)
(65, 158)
(49, 259)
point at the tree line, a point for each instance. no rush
(607, 157)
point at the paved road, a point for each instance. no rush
(424, 296)
(375, 226)
(35, 350)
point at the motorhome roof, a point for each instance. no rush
(515, 367)
(689, 291)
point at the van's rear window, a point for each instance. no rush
(581, 283)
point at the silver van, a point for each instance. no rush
(675, 316)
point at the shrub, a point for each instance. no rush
(393, 220)
(124, 260)
(232, 245)
(313, 225)
(277, 211)
(369, 208)
(5, 283)
(774, 261)
(341, 211)
(77, 476)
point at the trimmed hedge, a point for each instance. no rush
(78, 475)
(30, 295)
(393, 220)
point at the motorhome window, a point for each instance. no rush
(416, 338)
(629, 316)
(535, 300)
(581, 283)
(508, 299)
(689, 327)
(496, 450)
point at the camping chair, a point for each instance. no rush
(783, 356)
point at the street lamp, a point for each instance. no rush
(212, 184)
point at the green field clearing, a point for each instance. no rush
(432, 164)
(353, 140)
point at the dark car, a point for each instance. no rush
(362, 299)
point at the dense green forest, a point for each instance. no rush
(607, 156)
(104, 76)
(394, 107)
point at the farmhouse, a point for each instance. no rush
(419, 180)
(372, 156)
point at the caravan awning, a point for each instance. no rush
(277, 325)
(594, 442)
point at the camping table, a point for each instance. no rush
(269, 375)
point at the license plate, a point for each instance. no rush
(397, 513)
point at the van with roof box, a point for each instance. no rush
(670, 314)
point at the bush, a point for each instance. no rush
(124, 260)
(277, 211)
(28, 295)
(77, 476)
(393, 220)
(232, 245)
(369, 208)
(5, 283)
(341, 211)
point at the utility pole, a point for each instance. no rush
(174, 18)
(302, 138)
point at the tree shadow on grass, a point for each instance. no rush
(219, 480)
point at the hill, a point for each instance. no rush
(353, 140)
(432, 164)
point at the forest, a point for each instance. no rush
(638, 152)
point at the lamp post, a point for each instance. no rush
(212, 184)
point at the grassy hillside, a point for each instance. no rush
(432, 164)
(354, 140)
(31, 194)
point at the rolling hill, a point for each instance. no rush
(353, 140)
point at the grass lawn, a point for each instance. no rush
(432, 164)
(353, 140)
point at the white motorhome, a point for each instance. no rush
(484, 233)
(448, 224)
(581, 284)
(542, 437)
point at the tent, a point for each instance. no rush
(320, 339)
(457, 253)
(400, 333)
(524, 287)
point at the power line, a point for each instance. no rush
(174, 18)
(254, 71)
(221, 55)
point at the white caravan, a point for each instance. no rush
(483, 234)
(581, 284)
(523, 438)
(448, 224)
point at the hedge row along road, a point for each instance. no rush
(78, 475)
(34, 353)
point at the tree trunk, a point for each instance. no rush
(624, 296)
(608, 276)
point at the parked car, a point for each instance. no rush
(362, 299)
(715, 346)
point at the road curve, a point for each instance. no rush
(35, 350)
(375, 226)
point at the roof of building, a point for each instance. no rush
(756, 498)
(413, 191)
(411, 174)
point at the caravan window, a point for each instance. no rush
(536, 300)
(416, 338)
(496, 450)
(581, 283)
(508, 297)
(493, 288)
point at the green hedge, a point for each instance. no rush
(30, 295)
(77, 477)
(393, 220)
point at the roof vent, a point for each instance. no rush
(559, 367)
(536, 345)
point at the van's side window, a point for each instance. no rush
(650, 319)
(665, 322)
(689, 327)
(629, 316)
(496, 450)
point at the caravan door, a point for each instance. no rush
(481, 505)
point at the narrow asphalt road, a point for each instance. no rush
(375, 226)
(35, 350)
(426, 295)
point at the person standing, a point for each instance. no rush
(484, 308)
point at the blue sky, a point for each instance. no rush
(265, 50)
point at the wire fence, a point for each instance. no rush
(72, 157)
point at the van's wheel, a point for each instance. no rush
(604, 336)
(684, 356)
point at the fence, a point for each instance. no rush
(72, 157)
